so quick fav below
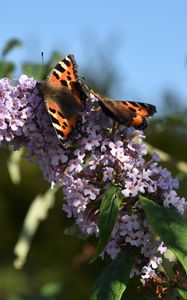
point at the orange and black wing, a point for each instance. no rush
(125, 112)
(64, 97)
(128, 112)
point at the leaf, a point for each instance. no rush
(37, 212)
(10, 45)
(13, 166)
(108, 212)
(182, 293)
(168, 224)
(112, 282)
(51, 289)
(133, 291)
(6, 69)
(166, 263)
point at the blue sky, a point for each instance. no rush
(147, 39)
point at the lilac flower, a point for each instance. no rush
(100, 157)
(112, 249)
(148, 273)
(108, 173)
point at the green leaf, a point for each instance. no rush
(108, 212)
(168, 267)
(51, 289)
(13, 166)
(182, 293)
(6, 69)
(112, 282)
(10, 45)
(133, 291)
(168, 224)
(37, 212)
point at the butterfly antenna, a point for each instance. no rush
(42, 56)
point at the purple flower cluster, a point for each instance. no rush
(24, 122)
(103, 154)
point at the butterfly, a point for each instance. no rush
(64, 97)
(129, 113)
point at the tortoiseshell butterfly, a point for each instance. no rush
(64, 98)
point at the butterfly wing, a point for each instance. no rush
(64, 97)
(125, 112)
(128, 112)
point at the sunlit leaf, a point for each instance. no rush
(13, 165)
(182, 293)
(108, 212)
(37, 212)
(112, 282)
(168, 224)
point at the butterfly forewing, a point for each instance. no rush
(64, 97)
(63, 74)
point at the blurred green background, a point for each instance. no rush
(57, 265)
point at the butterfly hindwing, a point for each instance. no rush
(128, 112)
(64, 97)
(125, 112)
